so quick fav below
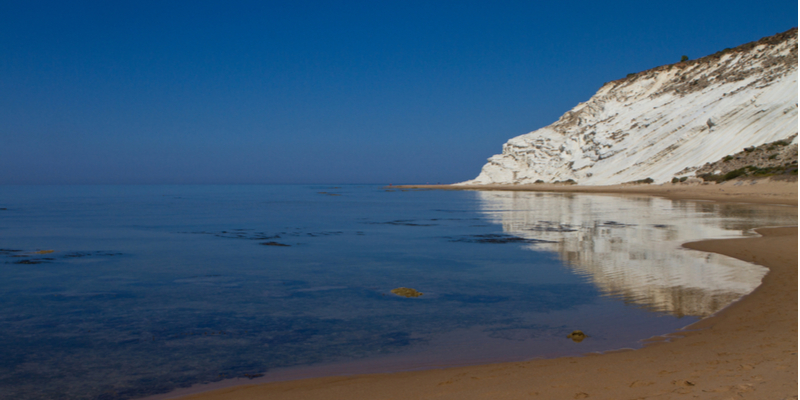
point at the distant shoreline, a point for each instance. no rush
(747, 350)
(762, 191)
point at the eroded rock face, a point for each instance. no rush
(663, 122)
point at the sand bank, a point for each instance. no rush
(763, 191)
(748, 350)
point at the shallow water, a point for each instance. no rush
(149, 289)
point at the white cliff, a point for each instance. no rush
(664, 122)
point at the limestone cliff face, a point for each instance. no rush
(664, 122)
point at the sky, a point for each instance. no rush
(262, 92)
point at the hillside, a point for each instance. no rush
(665, 122)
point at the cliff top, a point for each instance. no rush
(769, 41)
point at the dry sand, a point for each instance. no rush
(763, 191)
(748, 350)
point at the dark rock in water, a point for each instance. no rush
(80, 254)
(577, 336)
(274, 244)
(400, 222)
(35, 261)
(497, 238)
(77, 254)
(406, 292)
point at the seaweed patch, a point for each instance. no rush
(30, 257)
(250, 234)
(406, 292)
(577, 336)
(497, 238)
(276, 244)
(401, 222)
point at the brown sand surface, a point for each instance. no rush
(764, 190)
(748, 350)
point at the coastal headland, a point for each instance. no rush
(747, 350)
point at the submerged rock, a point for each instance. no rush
(497, 238)
(274, 244)
(577, 336)
(406, 292)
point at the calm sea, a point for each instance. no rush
(116, 292)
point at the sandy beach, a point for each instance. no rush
(748, 350)
(761, 191)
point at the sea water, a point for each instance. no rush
(115, 292)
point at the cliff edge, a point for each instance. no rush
(663, 123)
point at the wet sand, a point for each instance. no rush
(748, 350)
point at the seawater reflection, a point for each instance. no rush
(629, 247)
(119, 292)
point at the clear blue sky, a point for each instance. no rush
(320, 91)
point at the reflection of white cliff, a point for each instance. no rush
(630, 247)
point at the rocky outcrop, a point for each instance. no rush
(663, 122)
(779, 156)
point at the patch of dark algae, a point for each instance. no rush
(497, 239)
(274, 244)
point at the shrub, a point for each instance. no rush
(772, 157)
(684, 58)
(734, 174)
(711, 177)
(727, 158)
(675, 180)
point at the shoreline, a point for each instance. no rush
(782, 190)
(727, 354)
